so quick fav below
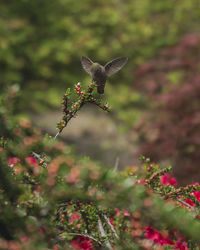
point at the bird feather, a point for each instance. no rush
(115, 65)
(87, 64)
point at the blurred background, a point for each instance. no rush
(155, 99)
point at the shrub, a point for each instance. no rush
(56, 200)
(170, 129)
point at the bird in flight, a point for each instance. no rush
(100, 73)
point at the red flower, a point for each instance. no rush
(13, 161)
(190, 202)
(163, 241)
(152, 234)
(167, 179)
(82, 243)
(112, 222)
(181, 245)
(32, 161)
(197, 195)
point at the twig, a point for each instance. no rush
(84, 97)
(116, 164)
(86, 235)
(37, 156)
(181, 201)
(82, 104)
(103, 234)
(57, 134)
(111, 226)
(186, 204)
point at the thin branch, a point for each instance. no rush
(103, 234)
(84, 97)
(57, 134)
(82, 104)
(111, 226)
(37, 156)
(116, 164)
(186, 204)
(181, 201)
(86, 235)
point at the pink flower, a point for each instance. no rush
(196, 183)
(13, 161)
(142, 181)
(181, 245)
(167, 179)
(126, 213)
(1, 149)
(75, 216)
(55, 247)
(74, 175)
(117, 212)
(31, 160)
(197, 195)
(190, 202)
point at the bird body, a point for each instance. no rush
(99, 77)
(100, 73)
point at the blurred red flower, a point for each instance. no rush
(197, 195)
(152, 234)
(190, 202)
(181, 245)
(167, 179)
(82, 243)
(31, 160)
(126, 213)
(13, 161)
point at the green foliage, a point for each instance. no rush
(57, 200)
(41, 43)
(71, 107)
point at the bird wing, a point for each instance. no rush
(86, 64)
(115, 65)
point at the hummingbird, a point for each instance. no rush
(100, 73)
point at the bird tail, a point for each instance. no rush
(100, 89)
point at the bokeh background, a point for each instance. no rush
(155, 99)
